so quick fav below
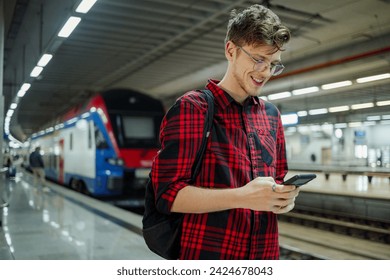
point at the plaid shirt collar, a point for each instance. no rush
(223, 99)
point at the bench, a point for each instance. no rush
(343, 174)
(335, 222)
(376, 174)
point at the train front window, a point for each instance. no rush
(136, 131)
(138, 128)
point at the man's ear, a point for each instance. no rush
(230, 50)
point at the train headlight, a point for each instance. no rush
(115, 161)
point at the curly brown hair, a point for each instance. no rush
(257, 25)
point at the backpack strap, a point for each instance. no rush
(162, 232)
(206, 132)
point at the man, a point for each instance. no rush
(229, 211)
(37, 167)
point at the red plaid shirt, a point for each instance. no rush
(246, 141)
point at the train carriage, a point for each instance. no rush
(105, 147)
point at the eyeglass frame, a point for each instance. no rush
(264, 64)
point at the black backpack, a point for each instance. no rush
(162, 232)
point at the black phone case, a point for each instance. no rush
(300, 179)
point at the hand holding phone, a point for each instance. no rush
(300, 179)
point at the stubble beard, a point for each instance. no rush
(245, 86)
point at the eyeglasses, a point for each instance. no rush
(261, 65)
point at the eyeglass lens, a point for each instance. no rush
(275, 69)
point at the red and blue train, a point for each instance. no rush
(106, 146)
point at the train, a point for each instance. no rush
(106, 146)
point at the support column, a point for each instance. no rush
(2, 23)
(2, 38)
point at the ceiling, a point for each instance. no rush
(166, 47)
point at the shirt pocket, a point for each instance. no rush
(266, 143)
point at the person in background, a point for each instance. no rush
(7, 160)
(37, 167)
(8, 163)
(230, 210)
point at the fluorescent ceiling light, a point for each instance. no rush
(45, 60)
(362, 106)
(368, 123)
(327, 126)
(315, 127)
(318, 111)
(340, 125)
(338, 109)
(305, 90)
(302, 113)
(383, 103)
(374, 118)
(21, 93)
(373, 78)
(289, 119)
(13, 106)
(25, 87)
(355, 124)
(36, 71)
(69, 26)
(385, 117)
(85, 6)
(279, 95)
(10, 112)
(336, 85)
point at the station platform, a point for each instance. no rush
(353, 186)
(354, 196)
(60, 224)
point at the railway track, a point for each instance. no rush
(305, 235)
(373, 230)
(311, 235)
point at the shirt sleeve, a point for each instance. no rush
(181, 135)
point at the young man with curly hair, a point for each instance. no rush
(230, 210)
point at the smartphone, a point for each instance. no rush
(300, 179)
